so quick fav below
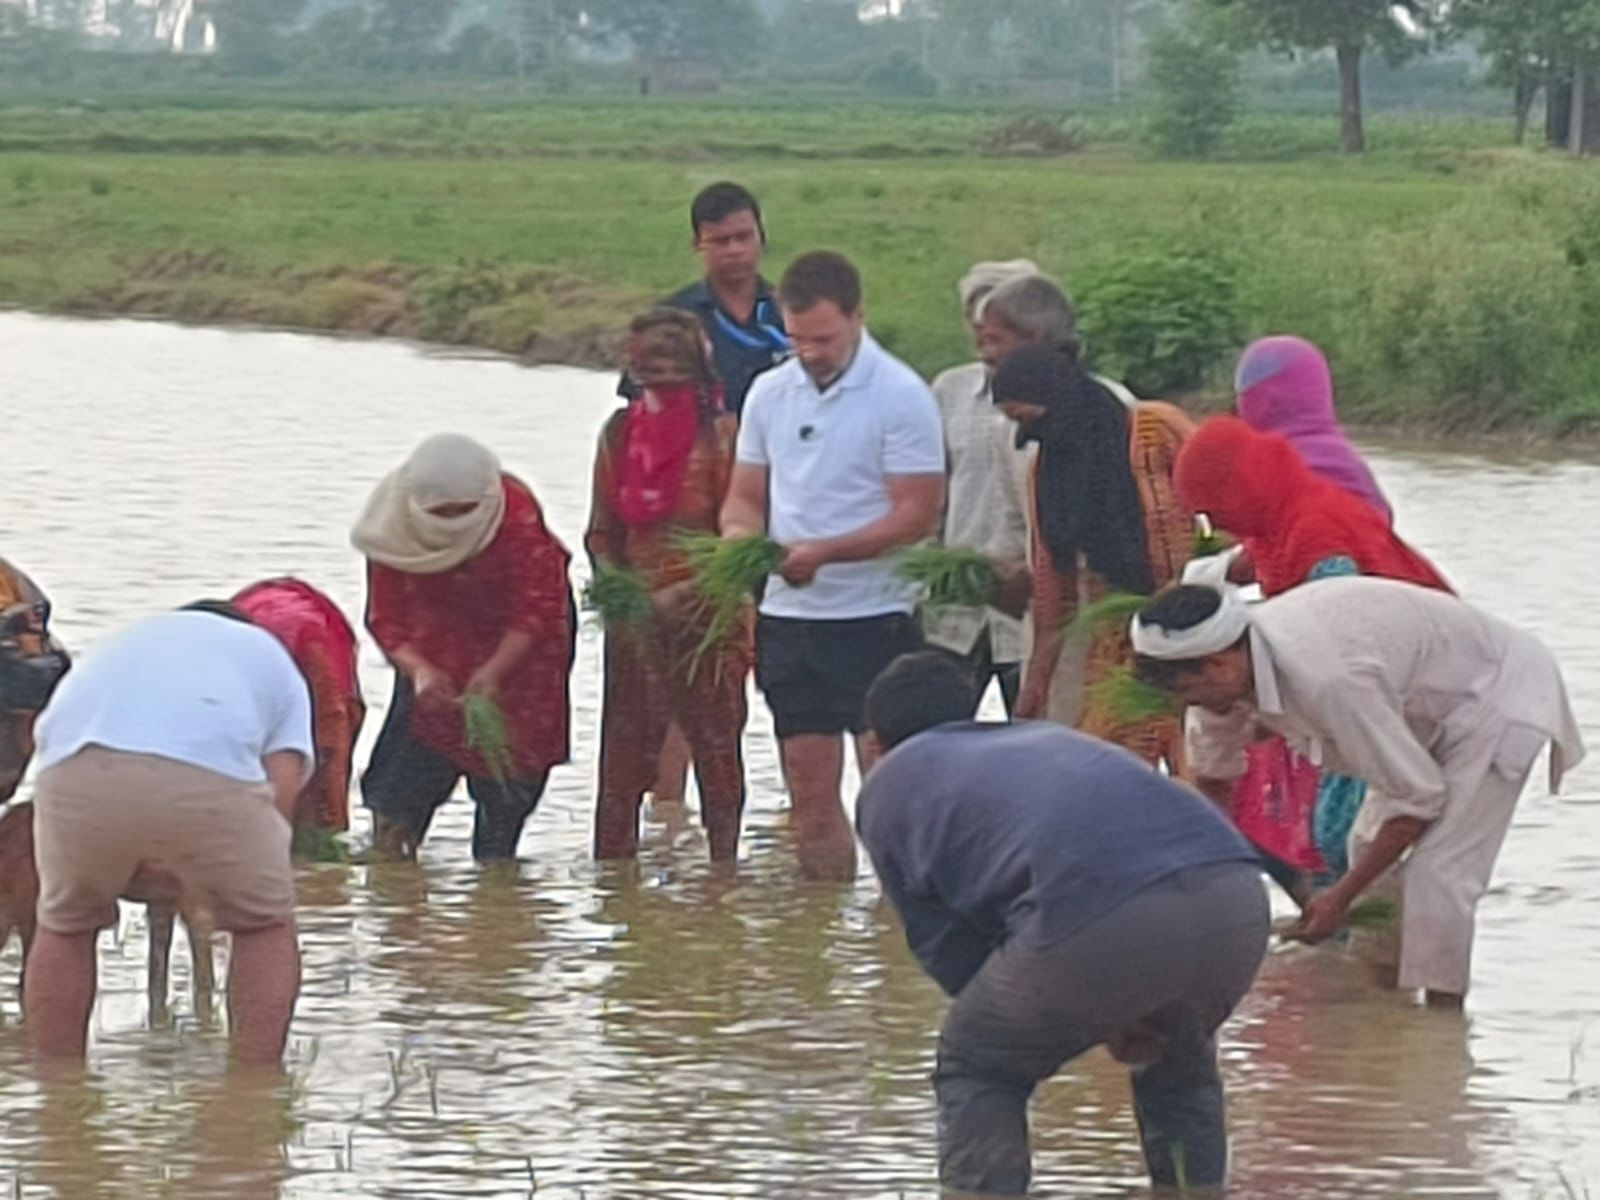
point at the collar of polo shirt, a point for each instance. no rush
(858, 371)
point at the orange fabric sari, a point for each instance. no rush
(1157, 431)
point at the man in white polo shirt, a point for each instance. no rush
(178, 748)
(841, 458)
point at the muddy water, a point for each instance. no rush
(561, 1031)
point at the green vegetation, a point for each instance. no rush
(1196, 85)
(487, 734)
(1128, 700)
(949, 576)
(621, 597)
(726, 573)
(1455, 282)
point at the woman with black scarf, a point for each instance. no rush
(1105, 519)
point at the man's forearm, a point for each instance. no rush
(742, 520)
(1394, 838)
(905, 525)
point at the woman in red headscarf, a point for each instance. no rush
(1296, 526)
(662, 469)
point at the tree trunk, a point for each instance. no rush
(1558, 111)
(1352, 133)
(1527, 90)
(1580, 97)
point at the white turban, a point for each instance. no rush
(1216, 633)
(397, 530)
(984, 277)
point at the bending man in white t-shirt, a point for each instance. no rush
(841, 457)
(176, 748)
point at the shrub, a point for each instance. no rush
(1030, 135)
(448, 298)
(1486, 337)
(1196, 86)
(899, 75)
(1161, 318)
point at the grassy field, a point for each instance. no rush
(1449, 278)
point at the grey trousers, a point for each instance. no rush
(1154, 979)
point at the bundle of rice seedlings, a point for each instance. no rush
(1373, 912)
(1118, 608)
(726, 572)
(1128, 700)
(949, 577)
(317, 845)
(620, 597)
(486, 734)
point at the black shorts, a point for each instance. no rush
(815, 674)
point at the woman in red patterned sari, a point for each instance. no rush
(467, 594)
(323, 646)
(661, 469)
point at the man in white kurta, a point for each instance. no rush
(1440, 708)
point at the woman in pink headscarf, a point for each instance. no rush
(1285, 387)
(1283, 803)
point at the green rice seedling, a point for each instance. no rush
(1128, 700)
(316, 845)
(949, 577)
(726, 572)
(1373, 912)
(620, 597)
(486, 734)
(1118, 608)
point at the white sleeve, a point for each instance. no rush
(1216, 742)
(290, 708)
(1363, 720)
(751, 447)
(913, 443)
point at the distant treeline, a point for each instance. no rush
(1061, 50)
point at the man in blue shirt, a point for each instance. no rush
(733, 303)
(1066, 896)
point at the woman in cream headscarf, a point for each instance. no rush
(467, 593)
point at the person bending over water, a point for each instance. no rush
(1440, 708)
(467, 595)
(1065, 896)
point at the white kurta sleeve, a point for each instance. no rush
(1216, 742)
(1361, 719)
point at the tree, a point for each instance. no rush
(407, 34)
(820, 31)
(722, 31)
(252, 35)
(1550, 44)
(1196, 85)
(1348, 27)
(338, 40)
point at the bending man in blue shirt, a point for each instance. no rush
(1066, 896)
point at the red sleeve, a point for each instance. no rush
(537, 578)
(388, 612)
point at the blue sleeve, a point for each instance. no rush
(1333, 567)
(950, 950)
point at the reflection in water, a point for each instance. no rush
(562, 1030)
